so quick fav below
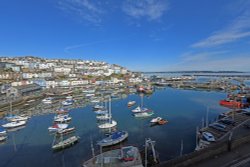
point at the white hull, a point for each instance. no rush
(155, 120)
(14, 124)
(143, 114)
(108, 125)
(65, 143)
(61, 120)
(103, 117)
(18, 118)
(58, 127)
(3, 132)
(3, 138)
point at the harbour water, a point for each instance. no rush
(184, 109)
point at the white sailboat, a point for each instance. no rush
(141, 111)
(62, 144)
(14, 124)
(111, 123)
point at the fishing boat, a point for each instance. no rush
(123, 157)
(57, 127)
(231, 103)
(65, 131)
(2, 131)
(155, 120)
(65, 143)
(114, 138)
(62, 119)
(47, 100)
(14, 124)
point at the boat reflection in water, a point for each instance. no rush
(16, 129)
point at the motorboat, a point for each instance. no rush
(60, 116)
(57, 127)
(155, 120)
(62, 119)
(67, 102)
(162, 122)
(65, 131)
(47, 100)
(208, 136)
(14, 124)
(98, 107)
(131, 103)
(114, 138)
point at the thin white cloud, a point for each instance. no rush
(68, 49)
(85, 9)
(149, 9)
(214, 60)
(238, 29)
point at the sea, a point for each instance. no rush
(184, 110)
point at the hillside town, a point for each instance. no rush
(23, 76)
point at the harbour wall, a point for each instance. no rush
(214, 150)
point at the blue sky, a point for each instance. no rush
(142, 35)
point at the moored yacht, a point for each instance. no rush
(14, 124)
(114, 138)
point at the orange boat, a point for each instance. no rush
(232, 104)
(162, 122)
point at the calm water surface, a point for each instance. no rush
(184, 109)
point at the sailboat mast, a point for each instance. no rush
(11, 107)
(207, 116)
(146, 153)
(141, 101)
(181, 152)
(110, 116)
(197, 137)
(92, 148)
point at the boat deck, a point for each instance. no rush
(112, 159)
